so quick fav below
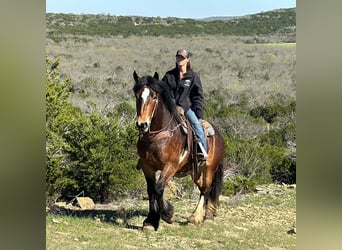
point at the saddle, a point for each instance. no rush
(185, 125)
(192, 142)
(207, 127)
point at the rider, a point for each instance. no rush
(186, 89)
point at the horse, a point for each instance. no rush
(165, 152)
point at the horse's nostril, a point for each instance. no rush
(141, 125)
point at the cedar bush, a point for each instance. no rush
(86, 152)
(237, 185)
(256, 163)
(270, 112)
(252, 159)
(284, 171)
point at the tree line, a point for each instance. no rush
(280, 22)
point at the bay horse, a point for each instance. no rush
(164, 152)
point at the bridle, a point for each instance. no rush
(165, 128)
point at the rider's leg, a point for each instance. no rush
(198, 129)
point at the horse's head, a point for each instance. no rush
(146, 100)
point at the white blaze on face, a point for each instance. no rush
(145, 94)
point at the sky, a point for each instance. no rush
(171, 8)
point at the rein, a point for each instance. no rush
(160, 134)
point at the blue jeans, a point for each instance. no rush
(190, 114)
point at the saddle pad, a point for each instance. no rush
(208, 128)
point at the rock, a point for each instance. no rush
(85, 203)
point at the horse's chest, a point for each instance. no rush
(153, 151)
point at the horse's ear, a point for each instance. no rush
(136, 77)
(156, 75)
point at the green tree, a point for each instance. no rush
(86, 152)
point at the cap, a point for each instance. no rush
(182, 52)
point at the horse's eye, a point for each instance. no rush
(154, 95)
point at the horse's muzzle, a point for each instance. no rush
(142, 126)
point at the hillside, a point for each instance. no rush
(281, 22)
(249, 85)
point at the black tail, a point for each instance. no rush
(216, 186)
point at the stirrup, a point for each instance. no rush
(203, 155)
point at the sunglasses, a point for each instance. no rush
(179, 56)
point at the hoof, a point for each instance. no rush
(169, 220)
(193, 220)
(148, 228)
(150, 225)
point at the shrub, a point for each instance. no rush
(238, 185)
(275, 137)
(101, 156)
(253, 159)
(284, 171)
(89, 153)
(58, 113)
(270, 112)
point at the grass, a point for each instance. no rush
(252, 221)
(242, 69)
(289, 45)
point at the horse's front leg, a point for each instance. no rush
(158, 207)
(153, 217)
(165, 207)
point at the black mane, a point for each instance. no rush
(160, 87)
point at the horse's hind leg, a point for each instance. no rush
(198, 215)
(210, 186)
(213, 199)
(211, 210)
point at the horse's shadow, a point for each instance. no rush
(119, 217)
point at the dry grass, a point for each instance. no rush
(103, 67)
(254, 221)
